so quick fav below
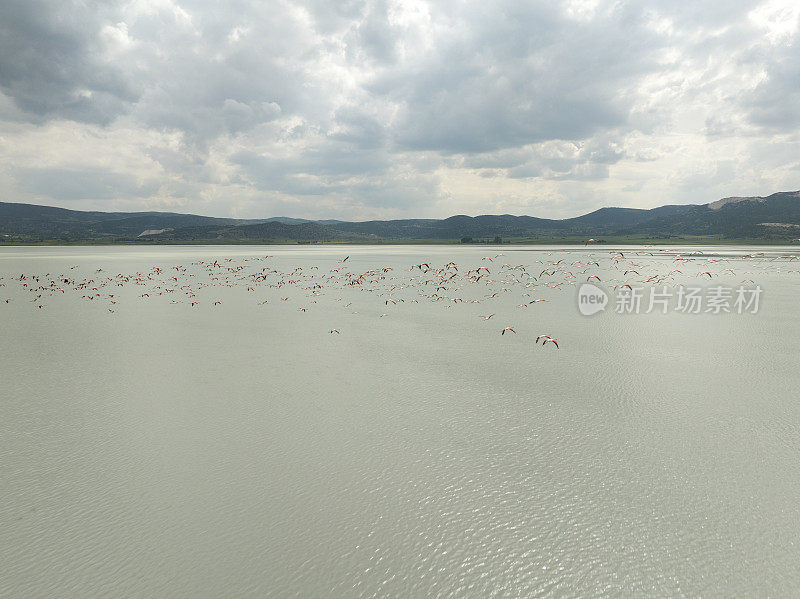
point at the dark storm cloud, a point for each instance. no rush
(554, 160)
(510, 76)
(357, 128)
(775, 103)
(315, 171)
(51, 64)
(374, 38)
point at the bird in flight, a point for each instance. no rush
(503, 332)
(547, 339)
(486, 317)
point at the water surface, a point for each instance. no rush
(237, 447)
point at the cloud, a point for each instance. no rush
(92, 184)
(52, 64)
(775, 103)
(364, 108)
(507, 76)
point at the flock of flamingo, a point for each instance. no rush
(448, 285)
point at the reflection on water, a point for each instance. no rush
(181, 422)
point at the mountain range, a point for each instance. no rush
(772, 218)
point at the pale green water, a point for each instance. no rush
(170, 450)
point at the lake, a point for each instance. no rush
(353, 421)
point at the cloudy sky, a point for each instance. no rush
(360, 109)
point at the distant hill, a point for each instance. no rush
(603, 221)
(273, 231)
(47, 222)
(744, 218)
(773, 218)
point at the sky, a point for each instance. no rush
(381, 109)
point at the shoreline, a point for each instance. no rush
(402, 242)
